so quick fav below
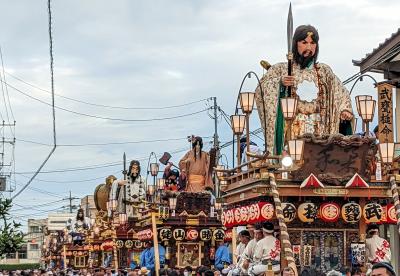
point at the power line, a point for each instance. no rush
(74, 169)
(30, 208)
(103, 144)
(109, 106)
(38, 190)
(108, 118)
(36, 214)
(68, 181)
(4, 78)
(52, 106)
(36, 205)
(96, 166)
(3, 88)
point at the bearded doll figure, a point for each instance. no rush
(78, 227)
(327, 111)
(130, 193)
(195, 168)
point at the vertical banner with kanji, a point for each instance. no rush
(385, 109)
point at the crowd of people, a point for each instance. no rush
(378, 269)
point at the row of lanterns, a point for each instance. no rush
(308, 212)
(180, 234)
(350, 212)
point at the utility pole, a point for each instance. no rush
(3, 174)
(216, 144)
(70, 198)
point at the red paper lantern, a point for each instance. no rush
(267, 211)
(329, 212)
(192, 234)
(391, 214)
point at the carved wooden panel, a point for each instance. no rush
(335, 159)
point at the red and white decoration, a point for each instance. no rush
(311, 182)
(329, 212)
(145, 235)
(249, 214)
(356, 182)
(192, 234)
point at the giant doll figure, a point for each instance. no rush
(78, 227)
(195, 168)
(133, 187)
(330, 112)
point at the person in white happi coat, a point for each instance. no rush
(248, 253)
(377, 249)
(130, 193)
(240, 247)
(245, 237)
(267, 251)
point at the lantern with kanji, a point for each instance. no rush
(119, 243)
(138, 244)
(219, 234)
(179, 234)
(165, 234)
(192, 234)
(289, 211)
(205, 234)
(372, 212)
(129, 244)
(329, 212)
(307, 212)
(267, 211)
(244, 214)
(391, 213)
(351, 212)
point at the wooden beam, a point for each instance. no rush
(155, 242)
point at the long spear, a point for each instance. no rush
(290, 42)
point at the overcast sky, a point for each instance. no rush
(149, 54)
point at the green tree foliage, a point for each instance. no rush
(11, 238)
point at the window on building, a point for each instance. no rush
(35, 229)
(10, 255)
(34, 246)
(22, 255)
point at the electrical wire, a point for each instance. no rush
(102, 165)
(37, 190)
(108, 118)
(69, 181)
(109, 106)
(52, 106)
(4, 96)
(37, 205)
(104, 144)
(36, 214)
(30, 208)
(6, 89)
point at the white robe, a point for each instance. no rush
(377, 250)
(135, 194)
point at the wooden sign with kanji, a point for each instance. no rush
(385, 113)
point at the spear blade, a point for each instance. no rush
(290, 29)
